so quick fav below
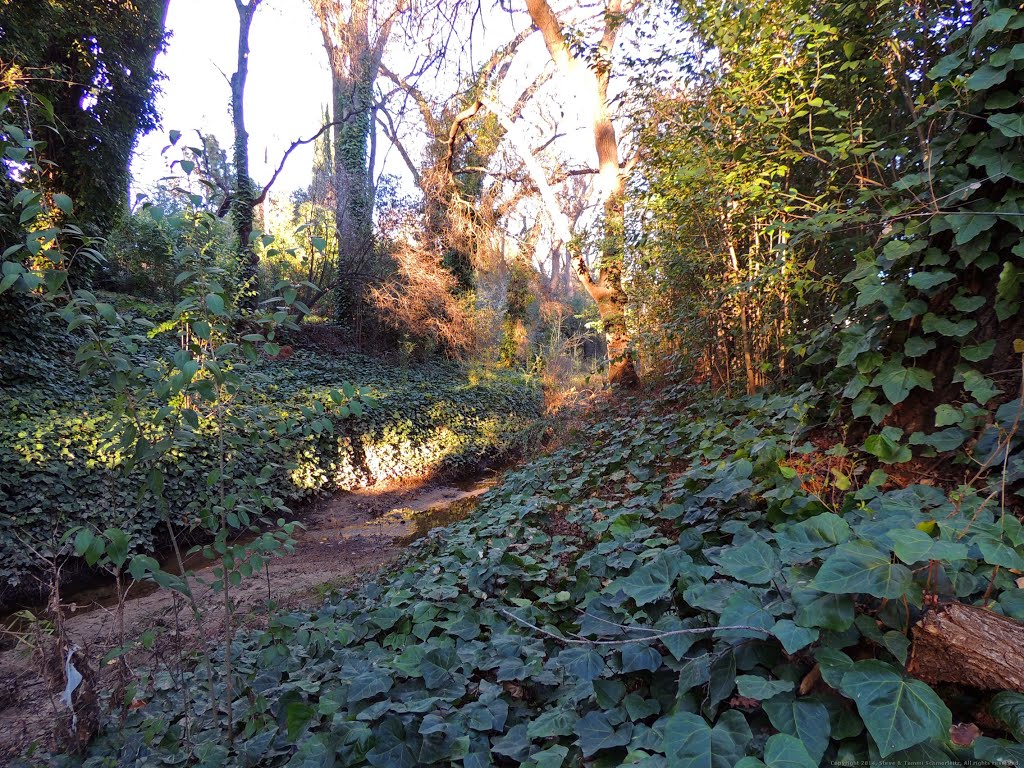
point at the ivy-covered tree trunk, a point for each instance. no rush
(354, 52)
(352, 180)
(454, 212)
(244, 193)
(518, 297)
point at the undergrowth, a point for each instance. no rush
(671, 588)
(61, 464)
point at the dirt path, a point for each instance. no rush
(346, 536)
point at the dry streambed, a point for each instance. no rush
(346, 536)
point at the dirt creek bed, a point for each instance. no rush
(346, 536)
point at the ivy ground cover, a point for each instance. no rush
(60, 465)
(675, 587)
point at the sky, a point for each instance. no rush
(289, 84)
(287, 91)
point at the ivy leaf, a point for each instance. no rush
(793, 637)
(979, 386)
(650, 582)
(1008, 708)
(729, 739)
(978, 352)
(689, 742)
(554, 722)
(785, 751)
(998, 751)
(916, 546)
(637, 657)
(859, 568)
(925, 281)
(314, 752)
(552, 757)
(583, 663)
(932, 323)
(947, 415)
(968, 303)
(997, 552)
(897, 381)
(295, 714)
(834, 612)
(368, 685)
(801, 718)
(917, 346)
(596, 732)
(392, 746)
(754, 562)
(968, 226)
(760, 688)
(745, 609)
(948, 439)
(608, 693)
(799, 540)
(898, 712)
(887, 450)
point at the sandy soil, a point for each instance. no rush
(347, 536)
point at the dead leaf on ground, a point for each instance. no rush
(964, 734)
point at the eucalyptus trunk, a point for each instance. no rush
(591, 83)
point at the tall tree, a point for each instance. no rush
(93, 61)
(355, 34)
(244, 198)
(591, 80)
(452, 176)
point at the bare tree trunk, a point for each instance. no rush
(245, 194)
(745, 341)
(971, 646)
(607, 290)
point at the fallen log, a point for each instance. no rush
(969, 645)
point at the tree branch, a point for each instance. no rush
(295, 145)
(580, 640)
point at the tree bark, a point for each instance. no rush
(591, 82)
(970, 646)
(354, 52)
(245, 195)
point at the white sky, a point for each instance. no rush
(289, 84)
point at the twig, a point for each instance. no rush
(295, 145)
(615, 624)
(577, 640)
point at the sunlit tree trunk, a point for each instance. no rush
(746, 346)
(591, 83)
(245, 194)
